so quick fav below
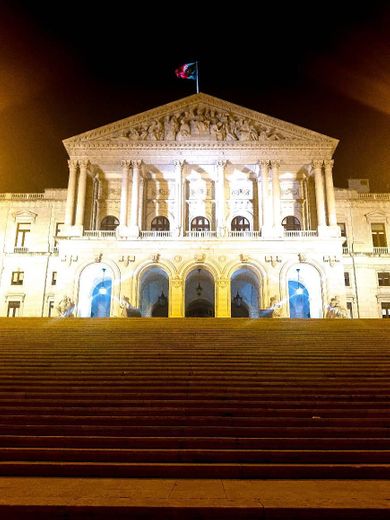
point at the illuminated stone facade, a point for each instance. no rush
(196, 208)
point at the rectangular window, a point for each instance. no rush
(13, 309)
(22, 231)
(385, 309)
(349, 308)
(342, 229)
(17, 278)
(50, 308)
(54, 278)
(58, 228)
(384, 279)
(346, 279)
(378, 234)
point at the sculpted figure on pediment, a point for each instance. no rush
(201, 123)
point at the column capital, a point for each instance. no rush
(84, 163)
(178, 163)
(126, 164)
(275, 164)
(135, 163)
(317, 164)
(264, 163)
(221, 163)
(328, 163)
(72, 164)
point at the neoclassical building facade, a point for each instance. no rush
(196, 208)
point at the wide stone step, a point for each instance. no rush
(194, 470)
(292, 443)
(203, 455)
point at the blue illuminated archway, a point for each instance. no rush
(101, 299)
(299, 300)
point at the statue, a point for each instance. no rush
(275, 307)
(335, 310)
(66, 307)
(128, 311)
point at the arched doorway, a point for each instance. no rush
(304, 292)
(154, 293)
(159, 224)
(291, 223)
(199, 294)
(244, 294)
(109, 223)
(240, 224)
(95, 289)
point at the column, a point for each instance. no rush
(70, 196)
(134, 197)
(220, 198)
(179, 197)
(124, 193)
(176, 299)
(259, 204)
(81, 193)
(276, 194)
(141, 202)
(319, 189)
(265, 202)
(222, 307)
(330, 198)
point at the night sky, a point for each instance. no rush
(71, 67)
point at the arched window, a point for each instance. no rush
(109, 223)
(291, 223)
(200, 224)
(240, 224)
(160, 224)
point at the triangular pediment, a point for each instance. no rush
(199, 118)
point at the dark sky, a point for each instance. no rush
(72, 66)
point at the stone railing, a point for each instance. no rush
(244, 234)
(200, 234)
(301, 233)
(20, 249)
(381, 250)
(99, 233)
(21, 196)
(156, 234)
(375, 196)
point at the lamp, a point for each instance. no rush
(237, 300)
(103, 289)
(299, 289)
(199, 288)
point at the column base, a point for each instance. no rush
(329, 231)
(267, 232)
(221, 231)
(71, 231)
(278, 231)
(122, 232)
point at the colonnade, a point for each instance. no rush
(268, 186)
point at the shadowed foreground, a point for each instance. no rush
(162, 400)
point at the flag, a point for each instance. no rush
(187, 71)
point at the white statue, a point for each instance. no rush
(66, 307)
(335, 310)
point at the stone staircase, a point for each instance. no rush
(194, 398)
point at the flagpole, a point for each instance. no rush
(197, 78)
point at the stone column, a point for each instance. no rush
(319, 189)
(124, 193)
(330, 198)
(265, 201)
(259, 202)
(81, 193)
(220, 198)
(179, 197)
(276, 195)
(176, 299)
(141, 202)
(134, 198)
(222, 308)
(70, 196)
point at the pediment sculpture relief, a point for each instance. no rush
(201, 124)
